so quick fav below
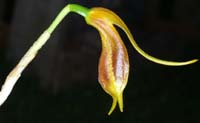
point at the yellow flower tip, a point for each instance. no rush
(194, 60)
(172, 63)
(119, 100)
(114, 104)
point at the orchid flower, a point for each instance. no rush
(114, 60)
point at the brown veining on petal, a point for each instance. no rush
(113, 62)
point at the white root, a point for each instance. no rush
(14, 75)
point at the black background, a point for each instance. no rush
(61, 85)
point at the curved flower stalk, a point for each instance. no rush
(113, 63)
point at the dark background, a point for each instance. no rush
(60, 85)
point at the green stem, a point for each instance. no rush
(14, 75)
(69, 8)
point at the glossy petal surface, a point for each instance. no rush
(114, 62)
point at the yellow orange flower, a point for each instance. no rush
(114, 61)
